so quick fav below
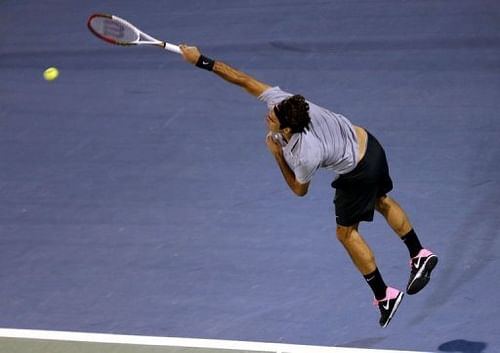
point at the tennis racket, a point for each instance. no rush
(116, 30)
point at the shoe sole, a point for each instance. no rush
(394, 309)
(423, 276)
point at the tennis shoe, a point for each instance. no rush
(421, 268)
(388, 305)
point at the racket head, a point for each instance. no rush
(113, 29)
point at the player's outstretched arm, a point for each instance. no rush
(228, 73)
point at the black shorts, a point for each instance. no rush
(357, 191)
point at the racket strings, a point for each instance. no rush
(114, 30)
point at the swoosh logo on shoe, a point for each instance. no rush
(386, 307)
(418, 263)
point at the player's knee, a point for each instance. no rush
(344, 233)
(382, 204)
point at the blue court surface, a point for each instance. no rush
(137, 196)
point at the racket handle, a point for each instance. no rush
(278, 138)
(172, 47)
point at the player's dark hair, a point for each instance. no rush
(293, 112)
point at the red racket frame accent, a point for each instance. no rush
(100, 36)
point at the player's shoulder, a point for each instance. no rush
(274, 95)
(305, 148)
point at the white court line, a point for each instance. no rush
(181, 342)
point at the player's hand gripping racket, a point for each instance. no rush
(116, 30)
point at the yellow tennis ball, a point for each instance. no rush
(51, 74)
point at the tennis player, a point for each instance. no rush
(304, 137)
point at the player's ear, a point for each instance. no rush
(287, 130)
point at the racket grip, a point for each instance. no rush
(172, 47)
(278, 138)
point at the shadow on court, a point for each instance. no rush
(463, 346)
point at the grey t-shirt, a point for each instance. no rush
(329, 143)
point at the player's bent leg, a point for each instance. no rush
(386, 298)
(423, 261)
(394, 214)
